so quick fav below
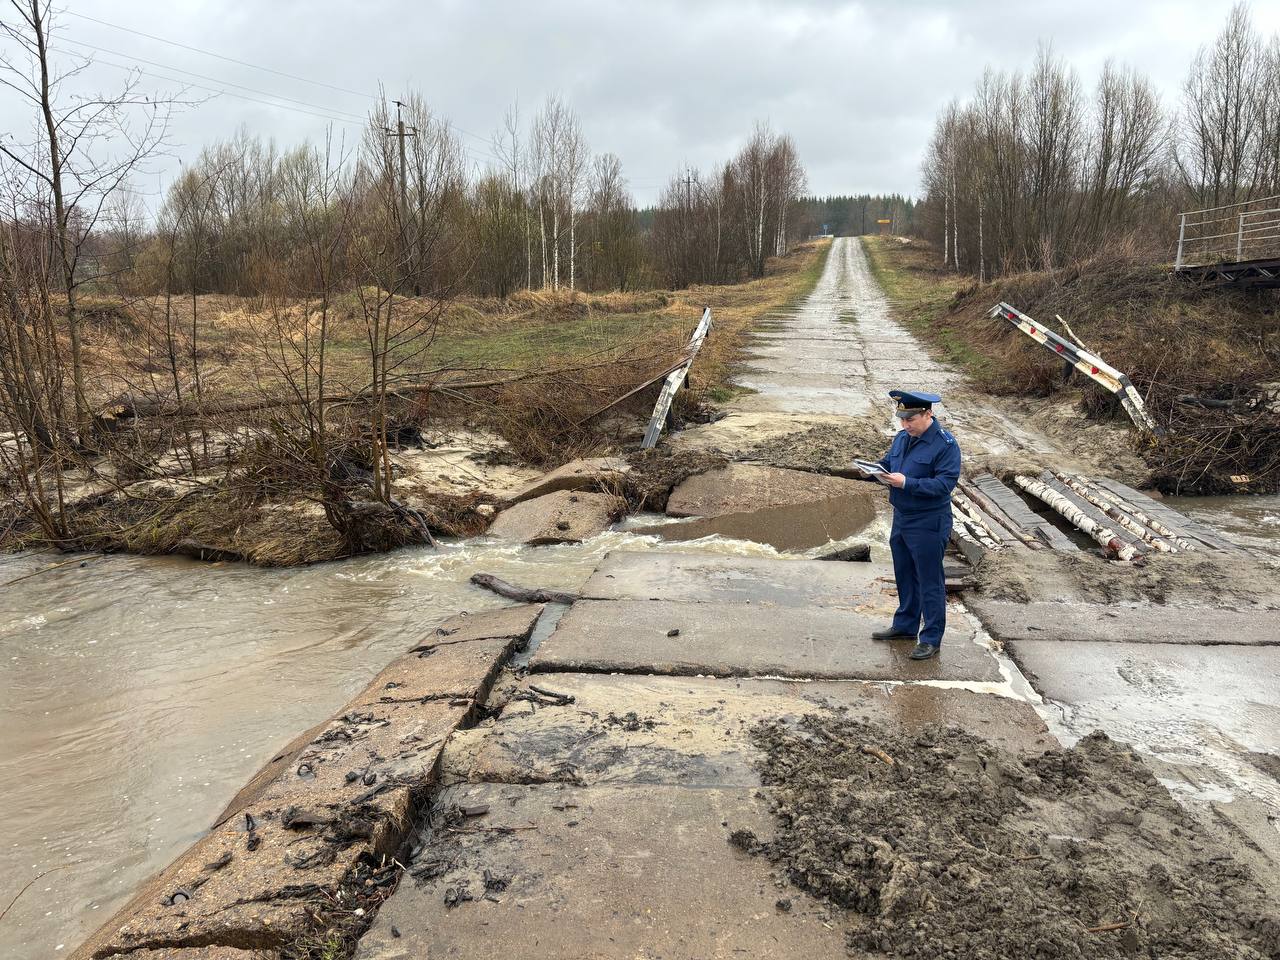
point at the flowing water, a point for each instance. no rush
(138, 694)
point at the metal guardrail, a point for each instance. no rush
(1234, 233)
(1090, 364)
(674, 381)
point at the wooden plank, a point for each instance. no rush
(999, 533)
(1093, 513)
(1179, 523)
(991, 510)
(1017, 510)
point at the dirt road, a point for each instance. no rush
(836, 356)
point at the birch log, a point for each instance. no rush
(974, 526)
(1116, 514)
(1161, 528)
(1105, 536)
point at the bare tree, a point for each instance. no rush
(82, 151)
(1220, 125)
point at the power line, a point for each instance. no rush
(349, 119)
(252, 66)
(230, 93)
(226, 83)
(210, 53)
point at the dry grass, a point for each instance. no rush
(1172, 338)
(563, 356)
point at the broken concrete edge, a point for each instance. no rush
(272, 798)
(600, 474)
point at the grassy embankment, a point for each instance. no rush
(1176, 341)
(529, 331)
(578, 350)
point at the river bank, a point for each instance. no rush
(502, 391)
(1206, 360)
(610, 773)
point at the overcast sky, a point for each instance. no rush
(661, 84)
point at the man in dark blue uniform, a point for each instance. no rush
(922, 467)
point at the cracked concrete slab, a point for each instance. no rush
(698, 578)
(387, 744)
(1131, 623)
(740, 487)
(598, 872)
(259, 888)
(724, 639)
(515, 621)
(1151, 693)
(461, 669)
(694, 731)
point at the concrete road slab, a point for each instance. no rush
(1158, 693)
(759, 581)
(726, 639)
(1132, 623)
(514, 621)
(465, 670)
(1207, 717)
(602, 872)
(696, 732)
(797, 526)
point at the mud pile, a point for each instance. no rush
(655, 473)
(825, 448)
(939, 844)
(1202, 578)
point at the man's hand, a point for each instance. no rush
(892, 479)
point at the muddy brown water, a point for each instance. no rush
(138, 694)
(1251, 521)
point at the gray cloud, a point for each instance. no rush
(660, 84)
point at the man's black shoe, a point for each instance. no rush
(924, 651)
(892, 634)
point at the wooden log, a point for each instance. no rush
(1113, 511)
(969, 548)
(993, 510)
(1016, 508)
(1102, 534)
(994, 529)
(1093, 513)
(523, 594)
(1158, 526)
(1180, 524)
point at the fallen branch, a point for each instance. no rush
(878, 754)
(28, 576)
(523, 594)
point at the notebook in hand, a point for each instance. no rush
(868, 466)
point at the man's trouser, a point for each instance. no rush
(917, 542)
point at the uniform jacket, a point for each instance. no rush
(931, 466)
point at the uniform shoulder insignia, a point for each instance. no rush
(947, 437)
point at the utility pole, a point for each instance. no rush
(407, 240)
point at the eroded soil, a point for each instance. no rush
(1200, 578)
(940, 844)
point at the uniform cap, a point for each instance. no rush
(911, 402)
